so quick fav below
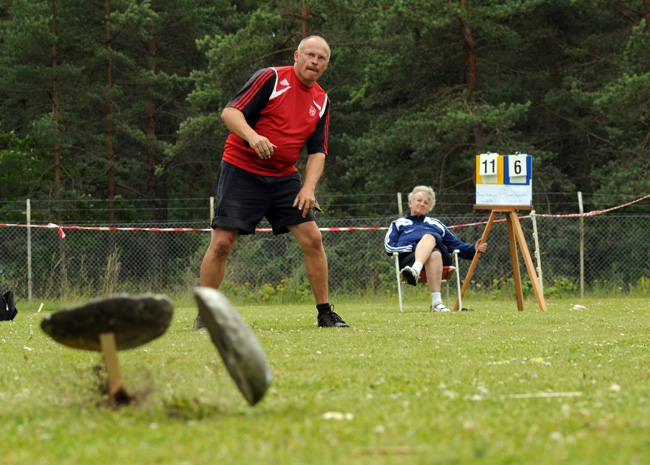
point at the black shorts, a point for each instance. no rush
(244, 198)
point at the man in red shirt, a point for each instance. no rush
(273, 116)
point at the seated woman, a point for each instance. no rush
(424, 242)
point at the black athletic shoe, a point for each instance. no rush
(331, 320)
(410, 275)
(198, 324)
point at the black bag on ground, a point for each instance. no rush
(7, 306)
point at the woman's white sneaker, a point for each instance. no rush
(439, 307)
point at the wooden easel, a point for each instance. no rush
(515, 234)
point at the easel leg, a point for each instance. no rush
(472, 267)
(528, 261)
(516, 273)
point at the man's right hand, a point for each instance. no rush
(236, 123)
(262, 146)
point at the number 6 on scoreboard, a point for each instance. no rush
(517, 165)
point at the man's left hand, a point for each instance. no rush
(305, 201)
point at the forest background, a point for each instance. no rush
(109, 115)
(117, 102)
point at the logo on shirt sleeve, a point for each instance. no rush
(277, 91)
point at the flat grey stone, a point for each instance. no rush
(239, 348)
(133, 320)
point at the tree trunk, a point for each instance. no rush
(55, 110)
(110, 154)
(57, 151)
(471, 54)
(157, 247)
(151, 129)
(472, 70)
(208, 177)
(305, 20)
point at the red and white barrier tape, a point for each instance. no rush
(96, 228)
(596, 212)
(61, 233)
(107, 228)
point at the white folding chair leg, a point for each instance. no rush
(399, 282)
(460, 298)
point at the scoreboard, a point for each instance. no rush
(504, 179)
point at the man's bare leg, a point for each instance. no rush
(311, 240)
(213, 266)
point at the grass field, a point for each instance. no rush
(493, 386)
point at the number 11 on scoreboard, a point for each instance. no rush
(488, 164)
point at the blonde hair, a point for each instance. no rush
(427, 192)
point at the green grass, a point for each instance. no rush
(493, 386)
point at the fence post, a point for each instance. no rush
(399, 204)
(29, 252)
(582, 247)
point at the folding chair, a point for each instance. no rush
(448, 273)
